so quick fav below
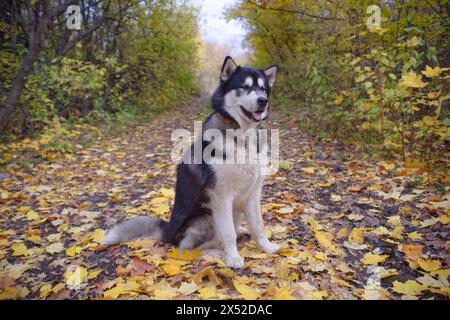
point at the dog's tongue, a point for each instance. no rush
(257, 116)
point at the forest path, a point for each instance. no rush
(353, 228)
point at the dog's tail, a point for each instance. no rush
(139, 227)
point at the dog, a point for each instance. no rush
(212, 198)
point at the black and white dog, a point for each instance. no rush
(212, 197)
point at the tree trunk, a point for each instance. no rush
(37, 40)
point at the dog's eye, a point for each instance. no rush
(246, 87)
(263, 89)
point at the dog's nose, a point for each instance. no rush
(262, 102)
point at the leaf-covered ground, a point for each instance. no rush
(351, 229)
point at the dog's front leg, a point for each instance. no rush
(223, 221)
(255, 220)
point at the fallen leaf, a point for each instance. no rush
(247, 292)
(172, 267)
(429, 265)
(45, 290)
(373, 259)
(187, 288)
(410, 287)
(186, 255)
(356, 236)
(55, 248)
(75, 275)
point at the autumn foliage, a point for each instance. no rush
(360, 203)
(384, 88)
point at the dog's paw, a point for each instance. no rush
(270, 247)
(235, 262)
(241, 230)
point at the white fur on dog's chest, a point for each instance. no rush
(236, 177)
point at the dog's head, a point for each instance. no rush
(244, 92)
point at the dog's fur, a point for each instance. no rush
(211, 199)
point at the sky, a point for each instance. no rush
(215, 28)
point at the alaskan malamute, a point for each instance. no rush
(212, 197)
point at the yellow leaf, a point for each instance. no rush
(323, 185)
(444, 219)
(119, 289)
(387, 166)
(247, 292)
(342, 233)
(187, 255)
(73, 251)
(412, 80)
(317, 295)
(75, 275)
(356, 236)
(33, 238)
(415, 235)
(168, 193)
(4, 195)
(98, 236)
(11, 293)
(207, 273)
(45, 290)
(172, 267)
(19, 249)
(158, 200)
(394, 221)
(23, 209)
(162, 209)
(384, 273)
(32, 215)
(433, 72)
(284, 165)
(208, 292)
(321, 256)
(338, 100)
(324, 239)
(284, 293)
(397, 232)
(413, 42)
(141, 243)
(286, 252)
(164, 291)
(336, 198)
(308, 170)
(373, 259)
(94, 274)
(410, 287)
(429, 265)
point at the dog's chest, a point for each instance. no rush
(236, 177)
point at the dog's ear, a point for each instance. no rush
(271, 74)
(228, 68)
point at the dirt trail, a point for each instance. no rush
(353, 228)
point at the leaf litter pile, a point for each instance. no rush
(350, 228)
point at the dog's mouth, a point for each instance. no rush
(255, 116)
